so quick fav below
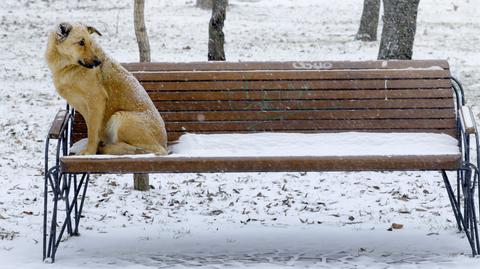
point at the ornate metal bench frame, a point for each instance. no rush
(69, 190)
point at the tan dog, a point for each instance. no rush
(120, 117)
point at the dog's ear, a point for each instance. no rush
(63, 30)
(92, 30)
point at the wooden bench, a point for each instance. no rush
(414, 97)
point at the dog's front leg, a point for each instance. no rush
(94, 124)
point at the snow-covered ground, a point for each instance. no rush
(256, 220)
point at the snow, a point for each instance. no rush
(467, 120)
(301, 144)
(252, 220)
(427, 68)
(322, 144)
(78, 146)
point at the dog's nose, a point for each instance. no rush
(97, 62)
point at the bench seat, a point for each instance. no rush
(347, 151)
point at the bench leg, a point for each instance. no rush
(61, 189)
(466, 220)
(473, 181)
(78, 209)
(50, 233)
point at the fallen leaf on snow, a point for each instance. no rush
(397, 226)
(404, 198)
(216, 212)
(403, 211)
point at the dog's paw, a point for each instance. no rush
(87, 152)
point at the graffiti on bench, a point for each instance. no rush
(312, 65)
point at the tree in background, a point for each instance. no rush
(206, 4)
(216, 37)
(141, 181)
(399, 26)
(141, 31)
(369, 21)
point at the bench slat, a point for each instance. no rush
(301, 95)
(258, 164)
(291, 75)
(310, 125)
(280, 125)
(301, 65)
(301, 115)
(173, 136)
(301, 105)
(300, 84)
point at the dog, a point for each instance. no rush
(120, 116)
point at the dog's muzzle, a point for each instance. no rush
(95, 63)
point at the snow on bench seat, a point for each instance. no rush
(318, 144)
(270, 152)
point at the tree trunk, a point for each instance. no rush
(205, 4)
(141, 31)
(141, 181)
(369, 21)
(399, 26)
(216, 37)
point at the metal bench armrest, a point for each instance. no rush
(58, 124)
(467, 120)
(468, 129)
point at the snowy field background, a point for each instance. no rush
(256, 220)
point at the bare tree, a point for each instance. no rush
(399, 27)
(216, 37)
(141, 181)
(369, 21)
(206, 4)
(141, 31)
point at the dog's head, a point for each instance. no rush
(75, 44)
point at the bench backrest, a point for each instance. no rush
(222, 97)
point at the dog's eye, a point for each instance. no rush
(81, 43)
